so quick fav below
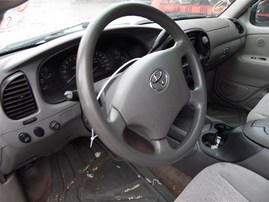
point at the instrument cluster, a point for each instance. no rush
(57, 74)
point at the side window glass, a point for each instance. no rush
(260, 13)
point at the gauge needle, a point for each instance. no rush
(70, 79)
(75, 76)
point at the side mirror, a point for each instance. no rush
(262, 12)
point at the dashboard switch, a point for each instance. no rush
(54, 125)
(25, 137)
(39, 132)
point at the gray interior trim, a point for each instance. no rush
(234, 12)
(243, 79)
(11, 190)
(258, 131)
(258, 163)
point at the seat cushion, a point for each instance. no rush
(226, 182)
(261, 110)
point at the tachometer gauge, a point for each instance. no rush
(119, 56)
(68, 70)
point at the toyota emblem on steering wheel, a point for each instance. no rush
(158, 80)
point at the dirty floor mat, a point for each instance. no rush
(232, 117)
(82, 174)
(174, 180)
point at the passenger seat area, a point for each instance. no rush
(261, 110)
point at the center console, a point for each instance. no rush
(258, 132)
(227, 144)
(246, 145)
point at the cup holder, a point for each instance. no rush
(222, 142)
(216, 140)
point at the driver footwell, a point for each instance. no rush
(78, 173)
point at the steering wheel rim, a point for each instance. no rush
(110, 128)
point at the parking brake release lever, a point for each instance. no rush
(71, 96)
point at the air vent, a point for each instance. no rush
(17, 97)
(205, 45)
(238, 26)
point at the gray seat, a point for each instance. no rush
(261, 110)
(226, 182)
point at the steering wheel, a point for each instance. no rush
(146, 97)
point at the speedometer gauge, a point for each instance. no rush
(102, 66)
(68, 70)
(101, 63)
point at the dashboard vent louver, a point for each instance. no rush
(205, 45)
(206, 49)
(238, 26)
(17, 97)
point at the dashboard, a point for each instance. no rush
(36, 120)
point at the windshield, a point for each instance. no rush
(37, 20)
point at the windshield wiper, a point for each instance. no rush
(35, 41)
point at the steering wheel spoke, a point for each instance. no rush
(116, 122)
(162, 147)
(181, 48)
(195, 98)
